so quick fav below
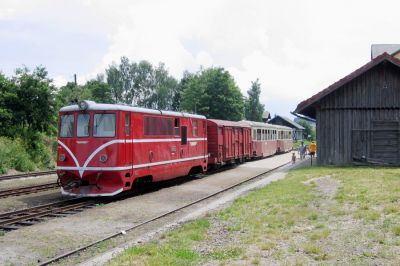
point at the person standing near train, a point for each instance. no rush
(302, 150)
(312, 148)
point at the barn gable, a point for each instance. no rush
(358, 116)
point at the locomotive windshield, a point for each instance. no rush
(83, 125)
(104, 125)
(67, 126)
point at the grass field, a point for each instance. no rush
(320, 215)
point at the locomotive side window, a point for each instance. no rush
(67, 126)
(127, 124)
(104, 125)
(82, 128)
(176, 126)
(158, 126)
(195, 128)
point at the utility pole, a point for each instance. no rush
(76, 83)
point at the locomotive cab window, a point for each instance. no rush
(67, 126)
(104, 125)
(82, 128)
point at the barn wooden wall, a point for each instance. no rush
(345, 118)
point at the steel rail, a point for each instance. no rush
(32, 174)
(23, 216)
(27, 190)
(75, 251)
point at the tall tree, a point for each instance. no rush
(253, 108)
(142, 84)
(7, 98)
(213, 92)
(99, 90)
(33, 107)
(309, 131)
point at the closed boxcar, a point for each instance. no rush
(228, 142)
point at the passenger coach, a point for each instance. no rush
(268, 139)
(104, 149)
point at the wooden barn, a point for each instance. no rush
(358, 117)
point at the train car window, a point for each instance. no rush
(258, 134)
(254, 134)
(158, 126)
(176, 126)
(127, 124)
(82, 128)
(195, 128)
(104, 125)
(184, 135)
(67, 126)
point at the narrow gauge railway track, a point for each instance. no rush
(30, 216)
(78, 250)
(7, 177)
(27, 190)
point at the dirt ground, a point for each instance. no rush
(56, 236)
(25, 201)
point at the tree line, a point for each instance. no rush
(29, 101)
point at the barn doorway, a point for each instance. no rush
(380, 145)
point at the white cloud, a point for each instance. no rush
(60, 81)
(295, 48)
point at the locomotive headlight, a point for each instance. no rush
(83, 105)
(103, 158)
(62, 157)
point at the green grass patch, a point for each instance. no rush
(174, 249)
(292, 222)
(396, 230)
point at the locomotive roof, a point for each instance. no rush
(261, 124)
(120, 107)
(228, 123)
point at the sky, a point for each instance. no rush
(295, 48)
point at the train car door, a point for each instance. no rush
(184, 136)
(128, 139)
(240, 143)
(227, 142)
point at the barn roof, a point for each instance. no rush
(290, 122)
(307, 107)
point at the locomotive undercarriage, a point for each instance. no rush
(91, 184)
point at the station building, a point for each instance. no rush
(358, 117)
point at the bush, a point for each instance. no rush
(13, 155)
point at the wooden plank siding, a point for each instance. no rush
(348, 117)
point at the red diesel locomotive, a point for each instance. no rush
(104, 149)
